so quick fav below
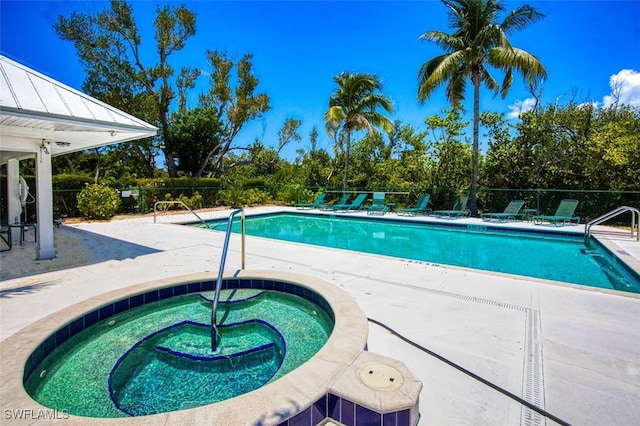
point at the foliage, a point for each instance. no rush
(315, 166)
(109, 46)
(194, 202)
(181, 182)
(452, 157)
(292, 194)
(238, 197)
(573, 147)
(353, 107)
(478, 40)
(195, 134)
(234, 106)
(98, 201)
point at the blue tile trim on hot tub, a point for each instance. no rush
(87, 320)
(348, 413)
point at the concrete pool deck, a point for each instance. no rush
(573, 351)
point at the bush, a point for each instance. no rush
(98, 202)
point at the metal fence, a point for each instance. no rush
(592, 203)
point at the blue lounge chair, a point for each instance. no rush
(459, 208)
(420, 208)
(511, 212)
(378, 205)
(565, 214)
(356, 205)
(342, 200)
(317, 203)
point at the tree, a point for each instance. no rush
(109, 46)
(451, 168)
(194, 132)
(315, 165)
(478, 40)
(353, 106)
(234, 106)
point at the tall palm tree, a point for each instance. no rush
(354, 106)
(478, 40)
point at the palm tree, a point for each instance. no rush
(478, 40)
(353, 106)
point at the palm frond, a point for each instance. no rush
(447, 42)
(507, 81)
(489, 82)
(528, 65)
(457, 87)
(437, 71)
(520, 19)
(333, 117)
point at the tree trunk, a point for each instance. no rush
(347, 151)
(474, 154)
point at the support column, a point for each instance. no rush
(14, 208)
(44, 203)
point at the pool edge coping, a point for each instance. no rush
(270, 404)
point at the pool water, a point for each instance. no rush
(157, 357)
(532, 254)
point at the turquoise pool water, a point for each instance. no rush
(157, 357)
(533, 254)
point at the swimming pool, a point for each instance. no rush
(557, 256)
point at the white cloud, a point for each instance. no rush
(625, 88)
(521, 106)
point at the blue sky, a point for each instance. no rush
(298, 47)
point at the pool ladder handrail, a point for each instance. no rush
(177, 202)
(635, 222)
(215, 336)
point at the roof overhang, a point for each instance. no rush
(37, 111)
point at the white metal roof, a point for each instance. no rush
(34, 108)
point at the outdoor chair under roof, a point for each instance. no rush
(511, 212)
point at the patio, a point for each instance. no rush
(570, 350)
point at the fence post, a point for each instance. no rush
(141, 200)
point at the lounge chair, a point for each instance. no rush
(378, 205)
(511, 212)
(317, 203)
(564, 215)
(459, 208)
(420, 208)
(342, 200)
(356, 205)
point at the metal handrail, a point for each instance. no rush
(215, 336)
(635, 222)
(177, 202)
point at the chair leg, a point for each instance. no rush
(8, 240)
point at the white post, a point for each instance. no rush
(44, 203)
(14, 208)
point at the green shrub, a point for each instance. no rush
(255, 196)
(232, 197)
(98, 202)
(292, 194)
(194, 202)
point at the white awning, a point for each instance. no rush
(35, 109)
